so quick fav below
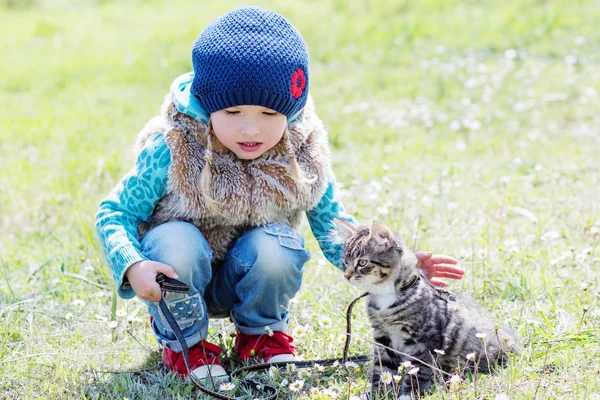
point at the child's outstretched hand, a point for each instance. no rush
(439, 266)
(142, 278)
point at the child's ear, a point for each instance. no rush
(382, 235)
(345, 228)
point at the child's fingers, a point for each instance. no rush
(423, 255)
(443, 259)
(450, 275)
(449, 268)
(438, 282)
(167, 270)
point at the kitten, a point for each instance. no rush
(411, 319)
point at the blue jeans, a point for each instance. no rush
(253, 285)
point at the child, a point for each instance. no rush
(221, 179)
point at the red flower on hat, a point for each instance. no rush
(298, 83)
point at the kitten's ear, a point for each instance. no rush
(381, 234)
(345, 229)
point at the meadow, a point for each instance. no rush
(471, 127)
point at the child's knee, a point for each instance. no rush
(180, 245)
(280, 251)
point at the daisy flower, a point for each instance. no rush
(269, 331)
(325, 322)
(314, 391)
(300, 331)
(481, 336)
(386, 377)
(273, 371)
(296, 385)
(470, 356)
(226, 387)
(291, 367)
(413, 370)
(407, 364)
(304, 373)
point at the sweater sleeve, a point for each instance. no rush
(131, 202)
(321, 221)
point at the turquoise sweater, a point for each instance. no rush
(135, 196)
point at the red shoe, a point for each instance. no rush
(203, 358)
(276, 348)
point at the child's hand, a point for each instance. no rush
(437, 265)
(142, 278)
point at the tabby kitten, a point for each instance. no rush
(411, 319)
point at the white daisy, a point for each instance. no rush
(413, 370)
(296, 385)
(226, 387)
(386, 377)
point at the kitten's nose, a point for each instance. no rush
(347, 276)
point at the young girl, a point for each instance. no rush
(221, 179)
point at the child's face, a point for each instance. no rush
(248, 131)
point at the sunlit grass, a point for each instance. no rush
(470, 127)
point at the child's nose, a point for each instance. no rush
(250, 128)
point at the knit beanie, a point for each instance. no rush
(251, 56)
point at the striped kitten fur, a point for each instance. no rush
(411, 319)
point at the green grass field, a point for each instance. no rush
(472, 127)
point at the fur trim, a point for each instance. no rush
(248, 193)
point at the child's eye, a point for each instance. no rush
(270, 113)
(231, 112)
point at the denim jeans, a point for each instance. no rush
(253, 285)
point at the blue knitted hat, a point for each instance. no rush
(251, 56)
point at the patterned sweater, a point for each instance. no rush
(140, 199)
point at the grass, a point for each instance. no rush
(470, 127)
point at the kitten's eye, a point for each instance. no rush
(362, 263)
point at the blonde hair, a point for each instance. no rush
(295, 171)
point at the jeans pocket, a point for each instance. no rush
(287, 236)
(186, 311)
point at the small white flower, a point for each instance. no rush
(319, 367)
(296, 385)
(69, 316)
(325, 322)
(226, 387)
(330, 338)
(341, 338)
(407, 364)
(335, 364)
(470, 356)
(413, 370)
(314, 391)
(351, 364)
(359, 341)
(304, 373)
(113, 324)
(397, 378)
(284, 383)
(269, 331)
(300, 331)
(481, 336)
(273, 371)
(386, 377)
(78, 303)
(291, 367)
(121, 313)
(440, 352)
(454, 382)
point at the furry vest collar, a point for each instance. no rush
(247, 193)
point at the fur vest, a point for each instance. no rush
(247, 193)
